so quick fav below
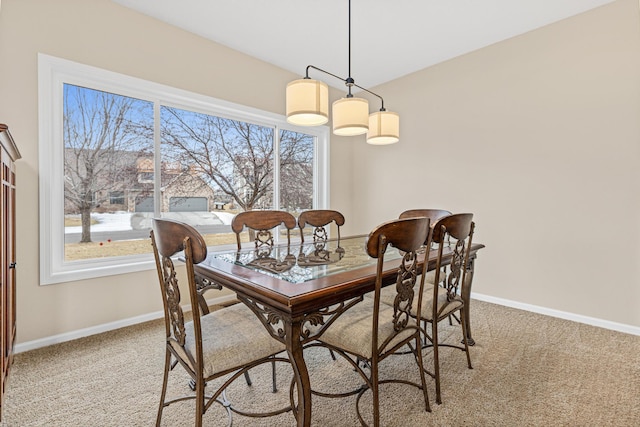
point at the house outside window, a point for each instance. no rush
(132, 150)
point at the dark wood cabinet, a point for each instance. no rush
(8, 154)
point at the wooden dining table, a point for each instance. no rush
(296, 291)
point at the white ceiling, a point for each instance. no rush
(389, 38)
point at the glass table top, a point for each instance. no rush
(298, 263)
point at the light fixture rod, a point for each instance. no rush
(348, 83)
(307, 105)
(349, 48)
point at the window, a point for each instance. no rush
(116, 197)
(145, 177)
(116, 151)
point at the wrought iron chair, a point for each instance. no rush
(434, 215)
(452, 233)
(222, 344)
(319, 219)
(388, 295)
(203, 285)
(260, 225)
(371, 331)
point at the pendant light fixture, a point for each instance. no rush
(307, 102)
(308, 105)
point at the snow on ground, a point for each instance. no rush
(225, 217)
(121, 221)
(106, 222)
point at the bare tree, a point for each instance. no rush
(296, 170)
(101, 131)
(237, 157)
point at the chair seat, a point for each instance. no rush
(430, 277)
(451, 306)
(231, 337)
(388, 294)
(352, 331)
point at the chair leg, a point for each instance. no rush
(423, 380)
(463, 322)
(165, 377)
(425, 339)
(436, 361)
(274, 387)
(199, 402)
(247, 378)
(375, 391)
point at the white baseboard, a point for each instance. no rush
(81, 333)
(606, 324)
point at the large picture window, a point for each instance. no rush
(116, 151)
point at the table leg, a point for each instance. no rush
(303, 384)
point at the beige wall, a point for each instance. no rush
(103, 34)
(539, 137)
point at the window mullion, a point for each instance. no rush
(157, 161)
(276, 167)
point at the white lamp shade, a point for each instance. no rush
(384, 128)
(307, 102)
(350, 116)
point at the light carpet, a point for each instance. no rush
(529, 370)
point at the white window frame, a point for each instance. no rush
(53, 73)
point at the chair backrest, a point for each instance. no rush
(169, 237)
(407, 235)
(262, 223)
(319, 219)
(432, 214)
(454, 233)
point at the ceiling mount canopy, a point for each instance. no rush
(308, 105)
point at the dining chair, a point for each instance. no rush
(223, 344)
(388, 295)
(433, 215)
(203, 286)
(370, 331)
(453, 233)
(260, 225)
(319, 219)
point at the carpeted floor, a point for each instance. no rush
(529, 370)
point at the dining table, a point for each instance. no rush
(298, 289)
